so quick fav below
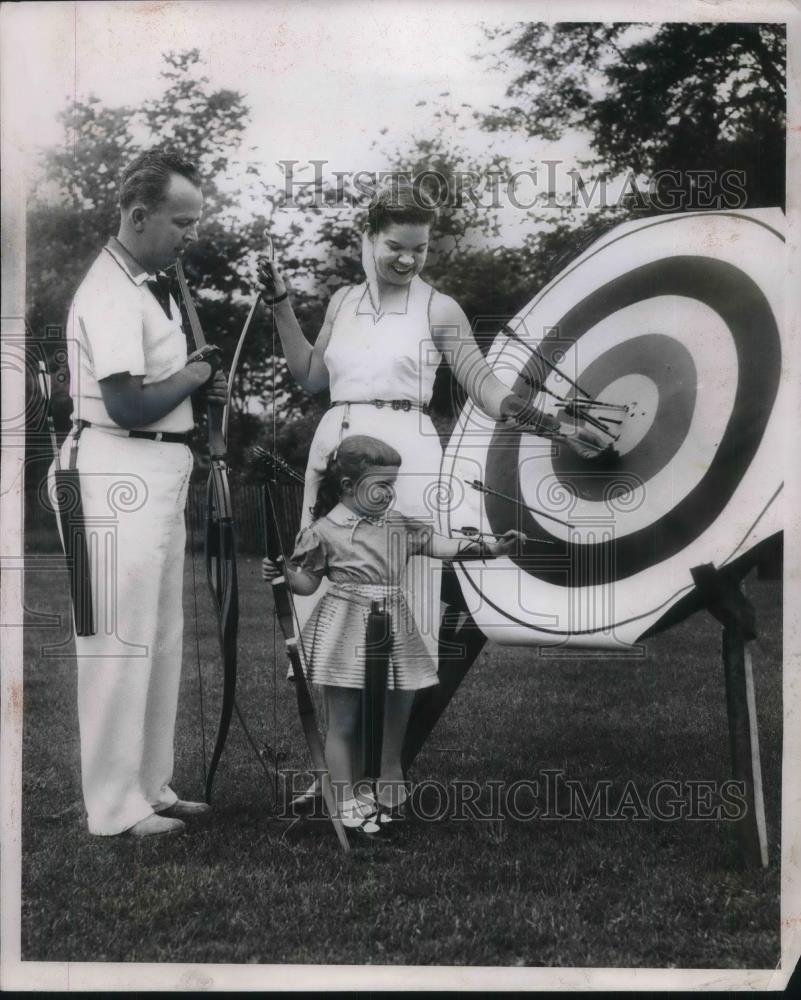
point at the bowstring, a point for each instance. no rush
(253, 745)
(272, 778)
(225, 570)
(181, 299)
(281, 547)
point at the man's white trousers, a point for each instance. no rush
(134, 494)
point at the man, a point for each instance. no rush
(130, 384)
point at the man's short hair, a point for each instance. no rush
(146, 178)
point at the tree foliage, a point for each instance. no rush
(74, 209)
(671, 96)
(677, 96)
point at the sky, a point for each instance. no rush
(323, 81)
(320, 79)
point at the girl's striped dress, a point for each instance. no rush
(365, 560)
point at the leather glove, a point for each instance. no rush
(210, 353)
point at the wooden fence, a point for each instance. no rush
(248, 504)
(247, 500)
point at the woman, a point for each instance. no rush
(381, 343)
(378, 352)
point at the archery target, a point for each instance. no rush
(669, 330)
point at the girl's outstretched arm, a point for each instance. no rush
(441, 547)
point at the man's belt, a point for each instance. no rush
(169, 437)
(395, 404)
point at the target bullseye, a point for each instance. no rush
(643, 394)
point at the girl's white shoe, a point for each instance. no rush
(362, 816)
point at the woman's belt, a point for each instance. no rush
(395, 404)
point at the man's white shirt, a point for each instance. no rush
(116, 325)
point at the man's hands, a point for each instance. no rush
(215, 391)
(205, 367)
(209, 353)
(585, 443)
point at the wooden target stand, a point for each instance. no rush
(461, 641)
(726, 602)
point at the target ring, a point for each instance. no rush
(688, 345)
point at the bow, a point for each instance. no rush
(235, 364)
(220, 547)
(285, 615)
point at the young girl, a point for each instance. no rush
(362, 546)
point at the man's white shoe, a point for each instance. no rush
(156, 826)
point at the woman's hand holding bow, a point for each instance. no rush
(273, 286)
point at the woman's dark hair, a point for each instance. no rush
(147, 177)
(352, 458)
(399, 201)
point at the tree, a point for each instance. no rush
(74, 208)
(680, 97)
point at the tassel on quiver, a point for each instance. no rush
(68, 508)
(69, 511)
(379, 645)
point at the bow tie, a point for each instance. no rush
(378, 519)
(160, 287)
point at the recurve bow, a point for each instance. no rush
(220, 544)
(285, 615)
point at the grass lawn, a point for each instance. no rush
(250, 887)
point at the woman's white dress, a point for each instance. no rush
(386, 355)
